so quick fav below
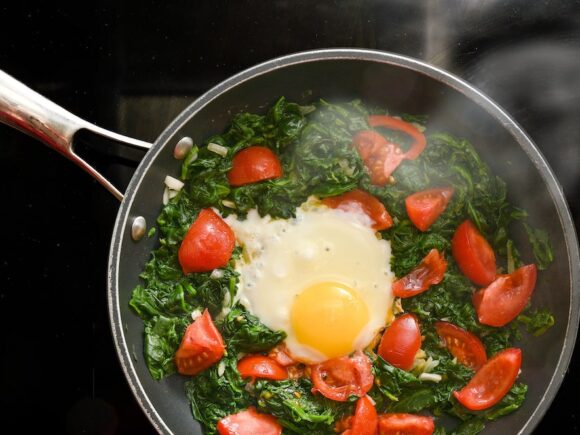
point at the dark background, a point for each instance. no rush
(131, 67)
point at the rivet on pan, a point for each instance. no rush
(138, 228)
(182, 147)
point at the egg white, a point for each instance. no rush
(284, 257)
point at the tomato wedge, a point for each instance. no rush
(208, 244)
(423, 208)
(339, 378)
(501, 301)
(262, 367)
(401, 342)
(281, 355)
(201, 346)
(253, 164)
(429, 272)
(419, 141)
(463, 345)
(405, 424)
(249, 422)
(473, 254)
(380, 156)
(364, 421)
(492, 382)
(359, 200)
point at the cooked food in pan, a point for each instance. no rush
(339, 268)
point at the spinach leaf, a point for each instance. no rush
(245, 333)
(162, 338)
(297, 409)
(217, 392)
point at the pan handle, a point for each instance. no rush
(33, 114)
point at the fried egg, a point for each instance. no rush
(323, 277)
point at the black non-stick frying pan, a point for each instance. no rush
(397, 82)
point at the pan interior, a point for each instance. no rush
(381, 81)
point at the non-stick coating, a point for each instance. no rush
(402, 85)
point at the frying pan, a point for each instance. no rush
(400, 83)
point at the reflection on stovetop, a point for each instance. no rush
(131, 67)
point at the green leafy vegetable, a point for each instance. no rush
(245, 333)
(298, 410)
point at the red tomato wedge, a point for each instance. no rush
(208, 244)
(423, 208)
(359, 200)
(501, 301)
(339, 378)
(429, 272)
(253, 164)
(401, 342)
(365, 419)
(380, 156)
(473, 254)
(261, 367)
(463, 345)
(249, 422)
(492, 382)
(405, 424)
(201, 346)
(419, 141)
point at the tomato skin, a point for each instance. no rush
(463, 345)
(365, 418)
(201, 346)
(501, 301)
(401, 341)
(364, 421)
(339, 378)
(423, 208)
(208, 244)
(419, 141)
(359, 200)
(473, 254)
(429, 272)
(261, 367)
(405, 424)
(380, 156)
(492, 382)
(249, 422)
(253, 164)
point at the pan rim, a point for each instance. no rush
(374, 56)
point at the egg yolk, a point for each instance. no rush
(328, 317)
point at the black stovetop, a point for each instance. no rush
(131, 67)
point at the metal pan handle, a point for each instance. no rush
(30, 112)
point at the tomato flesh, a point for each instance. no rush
(359, 200)
(208, 244)
(423, 208)
(339, 378)
(405, 424)
(492, 382)
(401, 341)
(473, 254)
(201, 346)
(253, 164)
(463, 345)
(364, 421)
(261, 367)
(419, 141)
(249, 422)
(380, 156)
(429, 272)
(501, 301)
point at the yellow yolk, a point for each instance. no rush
(328, 317)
